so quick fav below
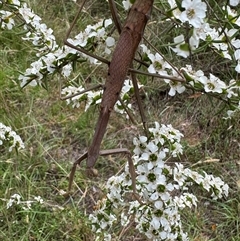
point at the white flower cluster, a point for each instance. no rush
(90, 97)
(162, 67)
(186, 177)
(15, 199)
(38, 33)
(94, 97)
(162, 189)
(213, 84)
(7, 135)
(196, 79)
(195, 14)
(97, 31)
(51, 57)
(61, 57)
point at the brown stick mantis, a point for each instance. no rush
(123, 55)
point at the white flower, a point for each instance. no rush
(110, 41)
(28, 205)
(212, 84)
(199, 33)
(234, 2)
(10, 136)
(125, 96)
(107, 237)
(202, 31)
(158, 186)
(157, 216)
(195, 176)
(124, 219)
(225, 189)
(39, 199)
(145, 49)
(192, 74)
(66, 70)
(10, 203)
(79, 40)
(186, 199)
(214, 35)
(16, 2)
(93, 97)
(178, 174)
(49, 60)
(158, 64)
(236, 42)
(6, 19)
(237, 57)
(175, 10)
(230, 114)
(155, 223)
(177, 149)
(115, 186)
(127, 86)
(207, 181)
(107, 22)
(43, 36)
(231, 87)
(230, 13)
(176, 87)
(26, 13)
(126, 4)
(163, 235)
(195, 12)
(158, 204)
(181, 48)
(73, 91)
(140, 144)
(219, 42)
(15, 198)
(143, 170)
(152, 148)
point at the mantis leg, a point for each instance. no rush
(105, 153)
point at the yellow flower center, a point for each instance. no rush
(211, 86)
(190, 13)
